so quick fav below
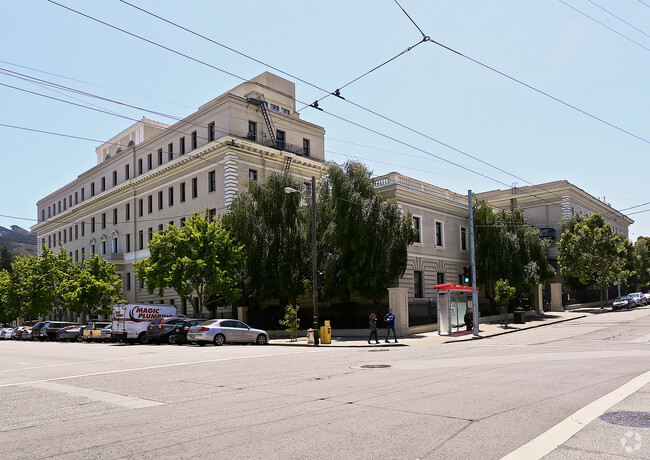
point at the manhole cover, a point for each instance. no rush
(375, 366)
(625, 418)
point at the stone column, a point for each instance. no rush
(556, 297)
(538, 299)
(398, 303)
(242, 314)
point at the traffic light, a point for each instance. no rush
(320, 280)
(467, 275)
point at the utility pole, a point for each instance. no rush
(475, 312)
(314, 264)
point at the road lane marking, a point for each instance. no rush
(160, 366)
(550, 440)
(130, 402)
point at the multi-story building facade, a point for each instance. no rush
(441, 218)
(548, 206)
(152, 175)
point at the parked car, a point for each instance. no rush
(623, 302)
(70, 333)
(647, 297)
(48, 329)
(17, 333)
(27, 333)
(105, 334)
(160, 329)
(220, 331)
(179, 333)
(639, 298)
(93, 330)
(6, 333)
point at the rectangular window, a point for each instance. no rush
(306, 147)
(160, 157)
(440, 237)
(149, 162)
(149, 234)
(59, 206)
(279, 139)
(92, 248)
(416, 226)
(285, 111)
(195, 142)
(92, 225)
(170, 151)
(212, 181)
(103, 246)
(76, 198)
(252, 174)
(140, 207)
(182, 192)
(212, 214)
(171, 222)
(65, 206)
(114, 248)
(76, 255)
(83, 195)
(70, 234)
(83, 229)
(140, 240)
(70, 201)
(160, 200)
(252, 131)
(126, 172)
(170, 196)
(103, 184)
(128, 242)
(115, 216)
(440, 278)
(114, 178)
(76, 231)
(65, 237)
(210, 132)
(150, 204)
(139, 166)
(42, 214)
(127, 212)
(182, 221)
(160, 227)
(92, 189)
(128, 281)
(195, 187)
(417, 285)
(463, 239)
(275, 107)
(181, 146)
(103, 220)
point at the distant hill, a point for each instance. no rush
(18, 240)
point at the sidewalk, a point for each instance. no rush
(486, 330)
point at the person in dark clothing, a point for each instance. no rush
(469, 322)
(373, 328)
(390, 325)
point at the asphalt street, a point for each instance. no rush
(537, 393)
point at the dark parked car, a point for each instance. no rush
(49, 329)
(623, 302)
(160, 329)
(179, 333)
(70, 333)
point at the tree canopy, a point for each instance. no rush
(592, 253)
(508, 247)
(199, 259)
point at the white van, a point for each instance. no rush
(130, 321)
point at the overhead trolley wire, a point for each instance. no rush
(618, 17)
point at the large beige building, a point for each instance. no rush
(151, 175)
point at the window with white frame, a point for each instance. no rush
(417, 226)
(440, 236)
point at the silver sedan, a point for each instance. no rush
(220, 331)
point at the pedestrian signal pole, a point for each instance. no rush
(475, 313)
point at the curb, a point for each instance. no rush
(382, 345)
(515, 330)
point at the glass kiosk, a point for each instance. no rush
(453, 302)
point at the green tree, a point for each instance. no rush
(508, 248)
(592, 253)
(30, 294)
(291, 321)
(54, 270)
(503, 294)
(269, 224)
(5, 286)
(92, 287)
(363, 238)
(199, 259)
(6, 258)
(642, 261)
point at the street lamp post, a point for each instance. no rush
(314, 262)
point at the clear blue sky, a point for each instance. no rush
(545, 44)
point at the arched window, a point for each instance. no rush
(131, 143)
(119, 150)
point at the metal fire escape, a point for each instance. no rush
(257, 99)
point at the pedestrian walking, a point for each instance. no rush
(390, 325)
(373, 328)
(469, 320)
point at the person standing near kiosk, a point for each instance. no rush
(390, 325)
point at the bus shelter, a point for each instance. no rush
(453, 302)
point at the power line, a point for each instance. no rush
(424, 36)
(617, 17)
(604, 25)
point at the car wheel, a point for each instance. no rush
(261, 340)
(78, 338)
(171, 339)
(143, 338)
(219, 339)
